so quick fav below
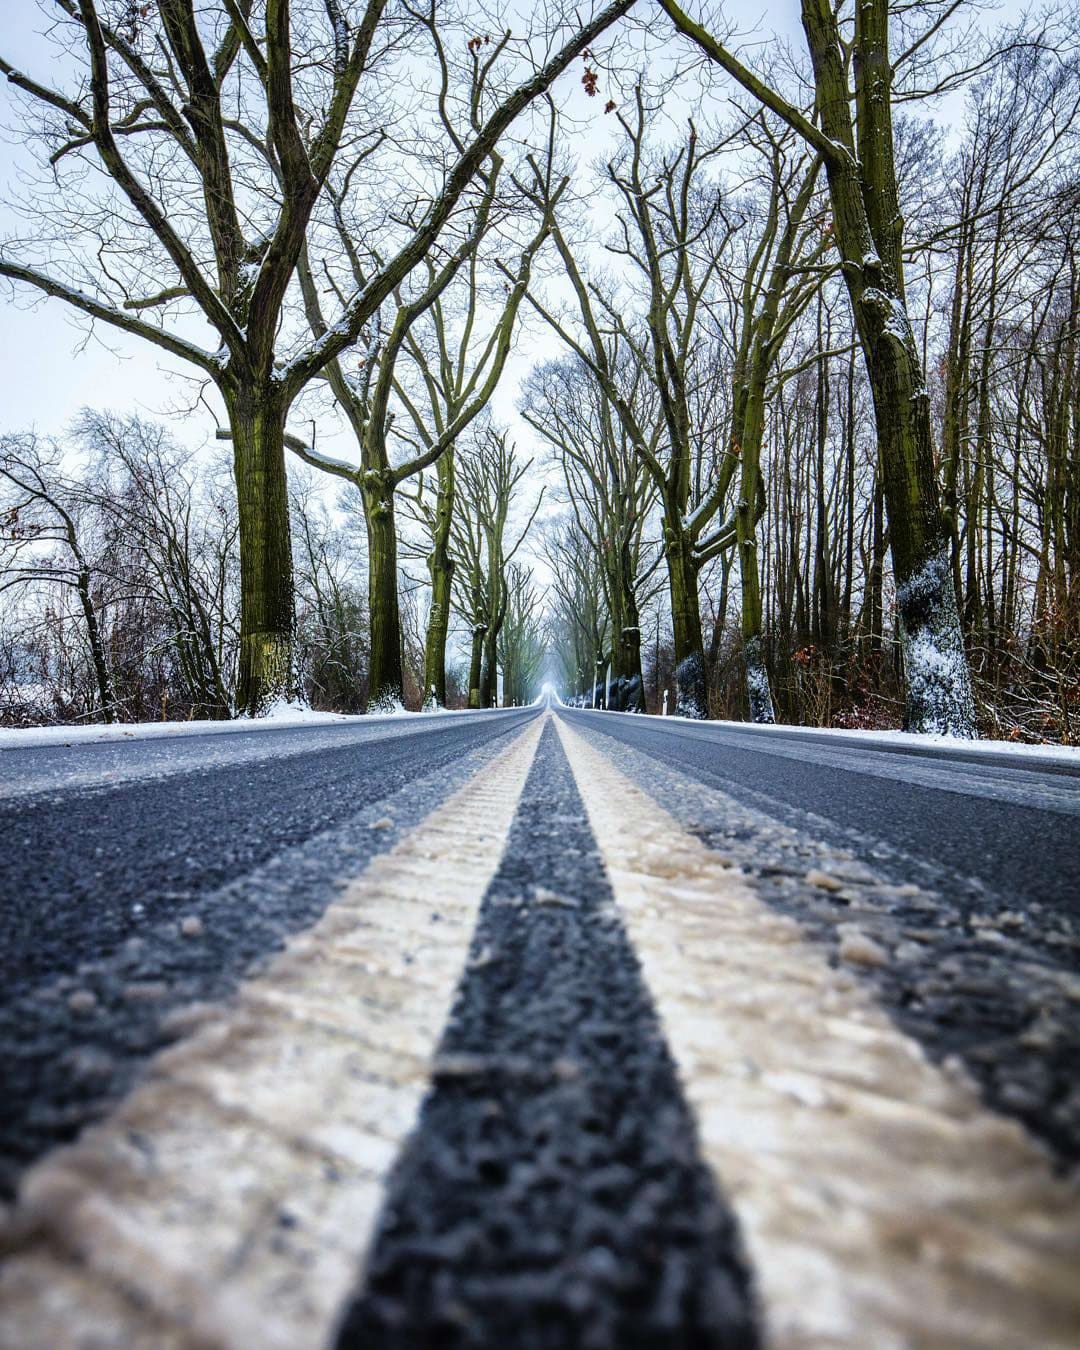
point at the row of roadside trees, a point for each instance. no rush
(359, 204)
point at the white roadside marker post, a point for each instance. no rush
(665, 703)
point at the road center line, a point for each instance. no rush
(229, 1199)
(553, 1193)
(881, 1203)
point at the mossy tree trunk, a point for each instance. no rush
(626, 636)
(266, 671)
(691, 694)
(489, 680)
(748, 511)
(385, 683)
(868, 226)
(475, 664)
(867, 222)
(441, 570)
(854, 136)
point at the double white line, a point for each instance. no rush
(229, 1200)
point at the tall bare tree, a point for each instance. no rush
(489, 475)
(43, 541)
(216, 146)
(611, 494)
(851, 128)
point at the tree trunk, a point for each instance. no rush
(633, 690)
(489, 680)
(97, 648)
(691, 698)
(629, 637)
(475, 665)
(441, 571)
(746, 515)
(267, 673)
(868, 227)
(385, 686)
(938, 682)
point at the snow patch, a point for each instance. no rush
(938, 684)
(690, 689)
(387, 703)
(757, 683)
(31, 738)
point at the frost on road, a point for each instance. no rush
(564, 1042)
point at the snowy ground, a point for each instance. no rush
(26, 738)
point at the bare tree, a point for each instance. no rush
(217, 147)
(855, 74)
(577, 623)
(331, 615)
(672, 232)
(456, 380)
(169, 541)
(611, 494)
(489, 474)
(521, 642)
(43, 529)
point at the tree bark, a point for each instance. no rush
(385, 684)
(757, 675)
(266, 674)
(475, 664)
(489, 680)
(441, 570)
(747, 512)
(691, 696)
(628, 642)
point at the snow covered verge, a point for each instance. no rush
(288, 715)
(1067, 756)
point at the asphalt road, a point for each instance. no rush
(558, 1187)
(1013, 830)
(109, 850)
(980, 962)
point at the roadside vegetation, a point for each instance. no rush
(669, 368)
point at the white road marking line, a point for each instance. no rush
(228, 1200)
(882, 1205)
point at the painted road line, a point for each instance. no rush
(554, 1193)
(983, 979)
(881, 1203)
(118, 920)
(228, 1200)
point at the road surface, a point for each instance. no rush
(537, 1027)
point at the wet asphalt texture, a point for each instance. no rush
(982, 959)
(96, 883)
(553, 1196)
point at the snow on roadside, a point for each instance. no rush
(278, 719)
(907, 740)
